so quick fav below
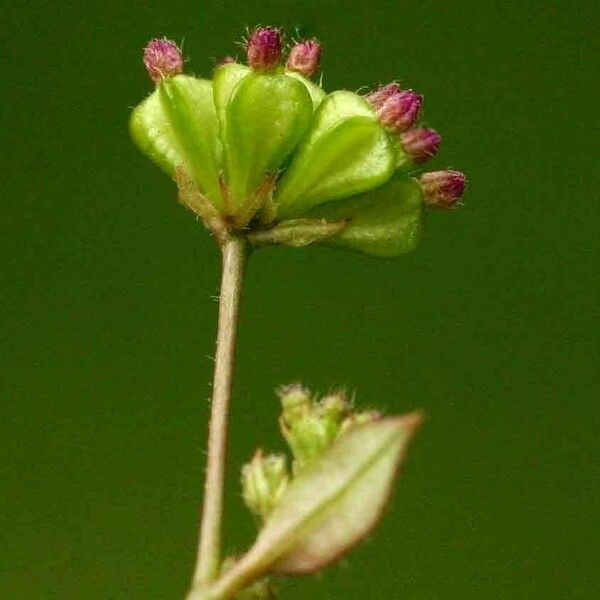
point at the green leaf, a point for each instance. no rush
(345, 152)
(334, 503)
(266, 116)
(385, 222)
(296, 233)
(177, 125)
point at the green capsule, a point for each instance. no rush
(317, 93)
(385, 222)
(345, 152)
(266, 116)
(225, 79)
(177, 125)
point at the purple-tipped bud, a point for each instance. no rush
(264, 48)
(162, 58)
(443, 189)
(420, 143)
(381, 94)
(400, 111)
(305, 57)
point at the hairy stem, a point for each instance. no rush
(209, 547)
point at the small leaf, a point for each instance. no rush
(266, 116)
(384, 222)
(345, 152)
(335, 502)
(177, 125)
(296, 233)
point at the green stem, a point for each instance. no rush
(209, 547)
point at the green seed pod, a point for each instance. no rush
(266, 116)
(177, 125)
(384, 222)
(345, 152)
(225, 79)
(316, 92)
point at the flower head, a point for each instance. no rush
(305, 57)
(381, 94)
(264, 48)
(420, 143)
(443, 189)
(400, 111)
(162, 58)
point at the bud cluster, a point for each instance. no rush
(398, 111)
(310, 424)
(264, 50)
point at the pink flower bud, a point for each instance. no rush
(420, 143)
(443, 189)
(264, 48)
(162, 58)
(305, 57)
(400, 111)
(381, 94)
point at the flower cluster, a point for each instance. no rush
(264, 152)
(309, 425)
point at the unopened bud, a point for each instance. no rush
(420, 143)
(296, 402)
(305, 57)
(334, 406)
(162, 59)
(443, 188)
(264, 48)
(400, 111)
(264, 479)
(309, 425)
(381, 94)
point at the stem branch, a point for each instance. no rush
(209, 547)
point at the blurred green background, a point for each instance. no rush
(108, 313)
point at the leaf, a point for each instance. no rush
(177, 125)
(296, 233)
(345, 152)
(384, 222)
(266, 116)
(335, 502)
